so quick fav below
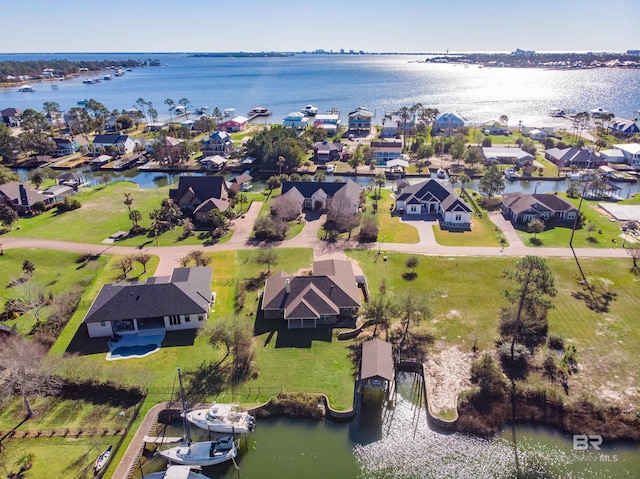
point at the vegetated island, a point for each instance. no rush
(241, 55)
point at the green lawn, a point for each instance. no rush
(605, 230)
(483, 233)
(390, 226)
(468, 297)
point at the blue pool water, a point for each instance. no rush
(137, 351)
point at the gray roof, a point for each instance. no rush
(199, 189)
(12, 192)
(377, 360)
(539, 202)
(308, 188)
(433, 190)
(187, 291)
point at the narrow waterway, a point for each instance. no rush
(399, 444)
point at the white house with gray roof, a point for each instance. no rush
(169, 303)
(434, 198)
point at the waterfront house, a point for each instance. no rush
(64, 146)
(168, 303)
(521, 208)
(199, 195)
(324, 151)
(631, 153)
(448, 122)
(168, 143)
(115, 143)
(321, 195)
(328, 296)
(74, 180)
(536, 134)
(393, 125)
(432, 197)
(219, 143)
(21, 197)
(241, 183)
(504, 155)
(237, 123)
(360, 120)
(213, 163)
(623, 128)
(494, 127)
(383, 151)
(295, 120)
(11, 116)
(612, 156)
(376, 365)
(58, 192)
(567, 157)
(330, 122)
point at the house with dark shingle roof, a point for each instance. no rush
(434, 198)
(21, 197)
(11, 116)
(198, 195)
(326, 297)
(115, 142)
(322, 195)
(571, 156)
(521, 208)
(169, 303)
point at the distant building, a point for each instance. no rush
(567, 157)
(504, 155)
(237, 123)
(21, 197)
(115, 142)
(11, 116)
(383, 151)
(521, 208)
(360, 120)
(219, 143)
(448, 122)
(324, 151)
(295, 120)
(623, 128)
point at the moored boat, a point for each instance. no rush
(511, 174)
(177, 472)
(309, 110)
(101, 460)
(83, 102)
(259, 111)
(204, 453)
(442, 173)
(27, 89)
(222, 418)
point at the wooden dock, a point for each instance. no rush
(161, 439)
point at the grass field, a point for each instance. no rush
(468, 297)
(483, 233)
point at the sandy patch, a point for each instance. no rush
(447, 374)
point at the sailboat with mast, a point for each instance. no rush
(204, 453)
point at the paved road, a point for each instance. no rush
(170, 255)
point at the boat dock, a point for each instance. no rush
(161, 440)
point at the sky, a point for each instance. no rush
(306, 25)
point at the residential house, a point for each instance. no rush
(521, 208)
(376, 365)
(360, 120)
(295, 120)
(168, 142)
(536, 134)
(330, 122)
(571, 156)
(448, 122)
(199, 195)
(506, 155)
(432, 197)
(213, 163)
(321, 195)
(612, 156)
(64, 146)
(494, 127)
(631, 153)
(219, 143)
(21, 197)
(241, 182)
(58, 192)
(328, 296)
(74, 180)
(623, 128)
(115, 143)
(324, 151)
(168, 303)
(100, 161)
(11, 116)
(237, 123)
(393, 125)
(383, 151)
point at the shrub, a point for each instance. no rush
(556, 342)
(518, 366)
(68, 204)
(270, 229)
(369, 230)
(486, 373)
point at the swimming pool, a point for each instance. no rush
(135, 351)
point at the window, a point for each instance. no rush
(187, 318)
(458, 217)
(103, 323)
(174, 320)
(201, 317)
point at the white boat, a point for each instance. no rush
(511, 174)
(330, 169)
(598, 112)
(106, 77)
(442, 173)
(179, 110)
(309, 110)
(177, 472)
(205, 453)
(101, 460)
(27, 89)
(222, 418)
(229, 112)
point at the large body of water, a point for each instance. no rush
(379, 82)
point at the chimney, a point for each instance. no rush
(330, 290)
(24, 201)
(287, 286)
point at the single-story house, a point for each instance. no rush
(99, 161)
(360, 120)
(612, 156)
(521, 208)
(324, 151)
(494, 127)
(383, 151)
(219, 143)
(567, 157)
(537, 134)
(59, 192)
(330, 122)
(11, 116)
(171, 303)
(74, 180)
(321, 195)
(448, 121)
(237, 123)
(115, 142)
(326, 297)
(506, 155)
(631, 153)
(295, 120)
(376, 365)
(21, 197)
(198, 195)
(432, 197)
(623, 128)
(213, 163)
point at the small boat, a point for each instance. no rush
(330, 169)
(229, 112)
(106, 77)
(309, 110)
(222, 418)
(101, 460)
(27, 89)
(259, 111)
(442, 173)
(204, 453)
(598, 112)
(83, 102)
(177, 472)
(510, 174)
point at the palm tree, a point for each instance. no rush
(186, 104)
(463, 178)
(405, 114)
(171, 105)
(504, 119)
(281, 162)
(142, 103)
